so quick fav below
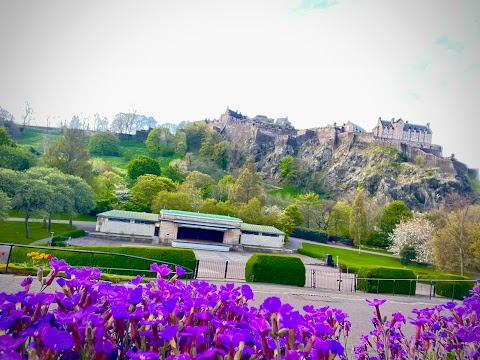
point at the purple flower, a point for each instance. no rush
(247, 292)
(136, 280)
(375, 302)
(104, 345)
(169, 305)
(57, 340)
(135, 296)
(179, 271)
(9, 344)
(169, 332)
(58, 265)
(272, 304)
(323, 329)
(26, 283)
(161, 270)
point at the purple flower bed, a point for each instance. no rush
(168, 319)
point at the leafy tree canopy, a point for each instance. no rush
(142, 165)
(172, 201)
(69, 155)
(392, 214)
(104, 143)
(147, 187)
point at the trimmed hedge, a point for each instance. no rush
(312, 235)
(398, 286)
(73, 234)
(183, 257)
(275, 269)
(453, 289)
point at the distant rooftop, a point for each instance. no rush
(129, 215)
(261, 229)
(199, 215)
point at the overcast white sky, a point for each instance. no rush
(315, 61)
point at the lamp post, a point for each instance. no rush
(338, 267)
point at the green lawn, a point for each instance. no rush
(14, 232)
(37, 138)
(352, 259)
(20, 214)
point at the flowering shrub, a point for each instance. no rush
(36, 258)
(168, 319)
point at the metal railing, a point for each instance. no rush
(209, 269)
(189, 272)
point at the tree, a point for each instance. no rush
(454, 243)
(310, 205)
(172, 201)
(198, 179)
(251, 212)
(286, 224)
(415, 233)
(180, 143)
(61, 199)
(208, 143)
(104, 143)
(358, 220)
(294, 213)
(31, 197)
(100, 123)
(247, 185)
(144, 123)
(9, 181)
(5, 139)
(147, 187)
(69, 155)
(120, 123)
(339, 222)
(7, 121)
(142, 165)
(174, 172)
(160, 141)
(15, 158)
(195, 133)
(392, 214)
(27, 114)
(76, 123)
(220, 154)
(4, 206)
(83, 197)
(287, 168)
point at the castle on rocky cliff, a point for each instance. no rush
(395, 132)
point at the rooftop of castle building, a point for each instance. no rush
(407, 126)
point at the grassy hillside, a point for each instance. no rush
(37, 138)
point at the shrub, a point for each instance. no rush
(378, 239)
(453, 289)
(407, 255)
(276, 269)
(341, 239)
(402, 284)
(313, 254)
(312, 235)
(104, 143)
(183, 257)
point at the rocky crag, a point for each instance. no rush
(342, 160)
